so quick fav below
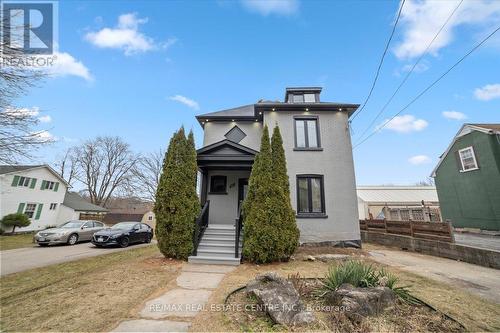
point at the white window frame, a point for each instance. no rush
(25, 181)
(34, 209)
(53, 206)
(473, 157)
(49, 185)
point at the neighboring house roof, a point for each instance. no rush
(6, 169)
(75, 201)
(491, 129)
(397, 194)
(113, 218)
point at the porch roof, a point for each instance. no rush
(225, 154)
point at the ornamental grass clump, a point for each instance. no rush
(362, 275)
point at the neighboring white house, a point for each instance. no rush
(35, 190)
(75, 207)
(318, 151)
(398, 203)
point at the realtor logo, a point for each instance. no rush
(27, 27)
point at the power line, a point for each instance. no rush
(429, 87)
(381, 62)
(411, 70)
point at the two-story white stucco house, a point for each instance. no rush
(320, 165)
(35, 190)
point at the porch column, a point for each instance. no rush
(204, 186)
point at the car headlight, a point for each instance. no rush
(115, 236)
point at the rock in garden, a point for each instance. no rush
(331, 257)
(310, 258)
(361, 302)
(280, 299)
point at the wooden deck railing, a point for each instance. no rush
(442, 231)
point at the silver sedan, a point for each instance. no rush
(70, 233)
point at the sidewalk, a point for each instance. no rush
(174, 310)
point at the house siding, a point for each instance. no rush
(335, 163)
(12, 196)
(215, 131)
(471, 199)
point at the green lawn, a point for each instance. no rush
(15, 241)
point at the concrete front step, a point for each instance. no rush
(219, 236)
(210, 260)
(213, 246)
(217, 240)
(217, 252)
(220, 232)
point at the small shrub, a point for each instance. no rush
(362, 275)
(15, 220)
(1, 231)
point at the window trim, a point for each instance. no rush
(473, 157)
(311, 214)
(318, 133)
(212, 183)
(34, 209)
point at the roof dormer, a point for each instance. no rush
(302, 95)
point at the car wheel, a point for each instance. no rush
(148, 239)
(72, 239)
(124, 242)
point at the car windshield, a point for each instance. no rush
(72, 224)
(124, 225)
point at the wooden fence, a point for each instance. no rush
(441, 231)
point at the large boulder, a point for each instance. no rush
(280, 299)
(361, 302)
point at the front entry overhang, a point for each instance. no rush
(225, 155)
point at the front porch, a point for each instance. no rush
(225, 168)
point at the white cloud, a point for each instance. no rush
(22, 112)
(488, 92)
(419, 159)
(454, 115)
(126, 36)
(267, 7)
(65, 65)
(405, 124)
(419, 68)
(45, 119)
(423, 19)
(186, 101)
(44, 136)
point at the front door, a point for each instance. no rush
(242, 190)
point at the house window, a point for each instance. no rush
(49, 185)
(218, 184)
(468, 159)
(405, 214)
(298, 98)
(30, 210)
(417, 214)
(24, 181)
(53, 206)
(150, 218)
(306, 133)
(309, 98)
(394, 214)
(310, 195)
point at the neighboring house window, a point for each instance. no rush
(30, 210)
(394, 214)
(306, 133)
(405, 214)
(468, 159)
(49, 185)
(24, 181)
(150, 218)
(310, 194)
(53, 206)
(218, 184)
(417, 214)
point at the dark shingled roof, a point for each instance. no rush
(75, 201)
(15, 168)
(240, 111)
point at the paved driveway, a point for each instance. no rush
(478, 280)
(17, 260)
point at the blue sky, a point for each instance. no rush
(140, 70)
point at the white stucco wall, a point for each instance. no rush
(215, 131)
(10, 197)
(335, 163)
(224, 207)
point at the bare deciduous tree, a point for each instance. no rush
(429, 181)
(104, 166)
(18, 138)
(67, 167)
(146, 175)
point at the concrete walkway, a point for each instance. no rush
(174, 310)
(479, 280)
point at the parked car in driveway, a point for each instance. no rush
(70, 232)
(123, 234)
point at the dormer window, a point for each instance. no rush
(302, 95)
(298, 98)
(310, 98)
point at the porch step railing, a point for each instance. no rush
(201, 224)
(239, 225)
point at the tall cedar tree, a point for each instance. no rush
(177, 204)
(289, 230)
(270, 233)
